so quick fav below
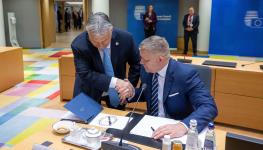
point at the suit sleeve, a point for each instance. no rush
(154, 21)
(185, 22)
(197, 23)
(205, 109)
(138, 90)
(88, 76)
(134, 62)
(144, 21)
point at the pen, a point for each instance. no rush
(109, 120)
(152, 129)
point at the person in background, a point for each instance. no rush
(174, 90)
(59, 19)
(190, 24)
(100, 55)
(80, 18)
(149, 20)
(67, 20)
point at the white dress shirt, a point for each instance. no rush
(161, 81)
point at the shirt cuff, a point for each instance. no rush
(113, 82)
(184, 125)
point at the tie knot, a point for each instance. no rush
(106, 50)
(156, 75)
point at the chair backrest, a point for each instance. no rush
(240, 142)
(205, 74)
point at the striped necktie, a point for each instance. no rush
(154, 98)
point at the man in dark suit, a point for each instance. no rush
(174, 90)
(100, 57)
(190, 23)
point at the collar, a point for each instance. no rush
(108, 47)
(162, 72)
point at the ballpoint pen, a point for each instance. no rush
(152, 129)
(109, 120)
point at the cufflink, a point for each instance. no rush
(117, 43)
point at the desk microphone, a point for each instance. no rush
(111, 145)
(243, 65)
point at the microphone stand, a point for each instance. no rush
(111, 145)
(243, 65)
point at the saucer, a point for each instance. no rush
(62, 127)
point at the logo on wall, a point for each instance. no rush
(252, 19)
(139, 11)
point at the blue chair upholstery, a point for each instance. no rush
(205, 73)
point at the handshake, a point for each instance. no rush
(125, 90)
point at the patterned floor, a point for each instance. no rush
(20, 106)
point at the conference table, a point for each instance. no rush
(47, 134)
(229, 86)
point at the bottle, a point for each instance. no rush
(167, 145)
(210, 143)
(192, 136)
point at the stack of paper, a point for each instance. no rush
(143, 128)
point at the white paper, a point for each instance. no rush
(70, 116)
(143, 128)
(119, 124)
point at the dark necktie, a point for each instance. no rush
(154, 99)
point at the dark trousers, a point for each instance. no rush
(59, 26)
(193, 36)
(148, 33)
(67, 26)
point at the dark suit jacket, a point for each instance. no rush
(185, 96)
(150, 25)
(195, 22)
(90, 76)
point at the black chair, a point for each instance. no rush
(205, 74)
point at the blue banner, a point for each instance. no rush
(237, 28)
(167, 14)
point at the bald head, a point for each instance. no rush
(99, 30)
(98, 24)
(191, 11)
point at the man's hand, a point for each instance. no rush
(174, 130)
(125, 89)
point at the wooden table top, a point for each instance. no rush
(48, 135)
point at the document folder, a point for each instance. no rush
(84, 107)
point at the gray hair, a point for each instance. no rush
(98, 24)
(156, 44)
